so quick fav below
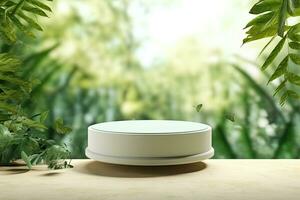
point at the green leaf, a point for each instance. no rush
(44, 116)
(8, 107)
(270, 41)
(35, 10)
(18, 6)
(295, 58)
(260, 28)
(288, 94)
(272, 23)
(295, 29)
(7, 31)
(293, 33)
(283, 98)
(4, 130)
(8, 63)
(33, 124)
(294, 45)
(264, 34)
(293, 94)
(294, 37)
(280, 87)
(21, 26)
(261, 19)
(26, 159)
(291, 7)
(230, 116)
(282, 18)
(30, 21)
(17, 81)
(60, 127)
(293, 78)
(39, 4)
(56, 151)
(280, 70)
(36, 159)
(199, 107)
(265, 6)
(273, 54)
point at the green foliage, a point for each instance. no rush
(60, 127)
(20, 14)
(20, 134)
(272, 21)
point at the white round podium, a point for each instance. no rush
(149, 142)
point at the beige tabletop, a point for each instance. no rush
(211, 179)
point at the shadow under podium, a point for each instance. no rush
(112, 170)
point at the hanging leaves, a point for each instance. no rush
(271, 21)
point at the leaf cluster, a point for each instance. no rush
(20, 15)
(271, 21)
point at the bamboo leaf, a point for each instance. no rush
(39, 4)
(291, 7)
(294, 37)
(294, 45)
(281, 69)
(283, 98)
(295, 58)
(273, 54)
(264, 34)
(270, 41)
(280, 87)
(21, 26)
(293, 33)
(7, 31)
(34, 10)
(282, 18)
(18, 6)
(261, 19)
(288, 94)
(265, 6)
(293, 94)
(293, 78)
(30, 21)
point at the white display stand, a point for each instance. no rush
(149, 142)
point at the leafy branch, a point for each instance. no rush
(20, 15)
(20, 133)
(272, 21)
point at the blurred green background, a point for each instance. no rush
(139, 59)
